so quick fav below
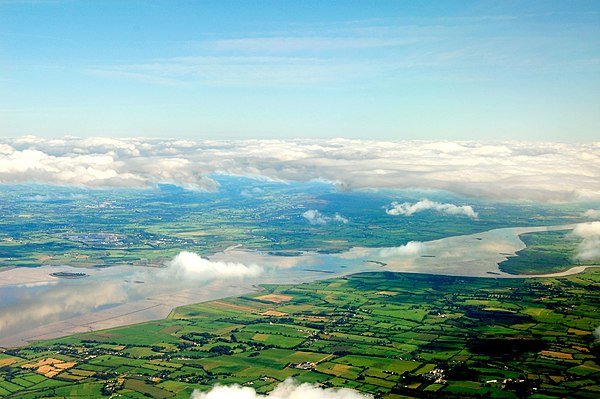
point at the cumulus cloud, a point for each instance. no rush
(509, 170)
(408, 209)
(286, 390)
(589, 247)
(339, 218)
(411, 249)
(317, 218)
(592, 213)
(191, 266)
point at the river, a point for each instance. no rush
(35, 305)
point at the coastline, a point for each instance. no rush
(464, 261)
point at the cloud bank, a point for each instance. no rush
(317, 218)
(536, 171)
(408, 209)
(190, 266)
(286, 390)
(589, 247)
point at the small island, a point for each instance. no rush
(376, 262)
(69, 275)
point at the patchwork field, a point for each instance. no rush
(389, 334)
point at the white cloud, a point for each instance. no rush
(314, 217)
(589, 247)
(408, 209)
(509, 170)
(592, 213)
(286, 390)
(317, 218)
(96, 162)
(411, 249)
(190, 266)
(339, 218)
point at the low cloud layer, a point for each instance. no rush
(317, 218)
(408, 209)
(286, 390)
(589, 248)
(190, 266)
(509, 170)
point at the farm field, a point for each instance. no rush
(546, 252)
(388, 334)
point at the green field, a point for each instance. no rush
(546, 252)
(389, 334)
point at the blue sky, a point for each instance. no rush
(392, 70)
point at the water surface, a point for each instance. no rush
(34, 305)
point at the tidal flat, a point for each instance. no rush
(37, 305)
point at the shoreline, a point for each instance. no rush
(151, 305)
(569, 272)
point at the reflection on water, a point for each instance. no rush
(122, 295)
(17, 294)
